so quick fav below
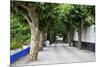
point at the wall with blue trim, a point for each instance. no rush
(18, 55)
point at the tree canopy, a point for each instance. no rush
(53, 18)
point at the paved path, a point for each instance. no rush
(58, 53)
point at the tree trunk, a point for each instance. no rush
(41, 41)
(34, 47)
(80, 35)
(79, 39)
(34, 43)
(32, 18)
(69, 37)
(45, 35)
(54, 38)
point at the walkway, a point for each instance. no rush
(58, 53)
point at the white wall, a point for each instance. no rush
(88, 35)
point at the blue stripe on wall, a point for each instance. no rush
(18, 55)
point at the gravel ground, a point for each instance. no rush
(58, 53)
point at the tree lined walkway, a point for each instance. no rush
(45, 21)
(58, 53)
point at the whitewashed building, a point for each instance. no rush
(88, 38)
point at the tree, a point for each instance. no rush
(28, 11)
(79, 16)
(46, 19)
(67, 20)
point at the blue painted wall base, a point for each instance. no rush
(18, 55)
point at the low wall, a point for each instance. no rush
(19, 54)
